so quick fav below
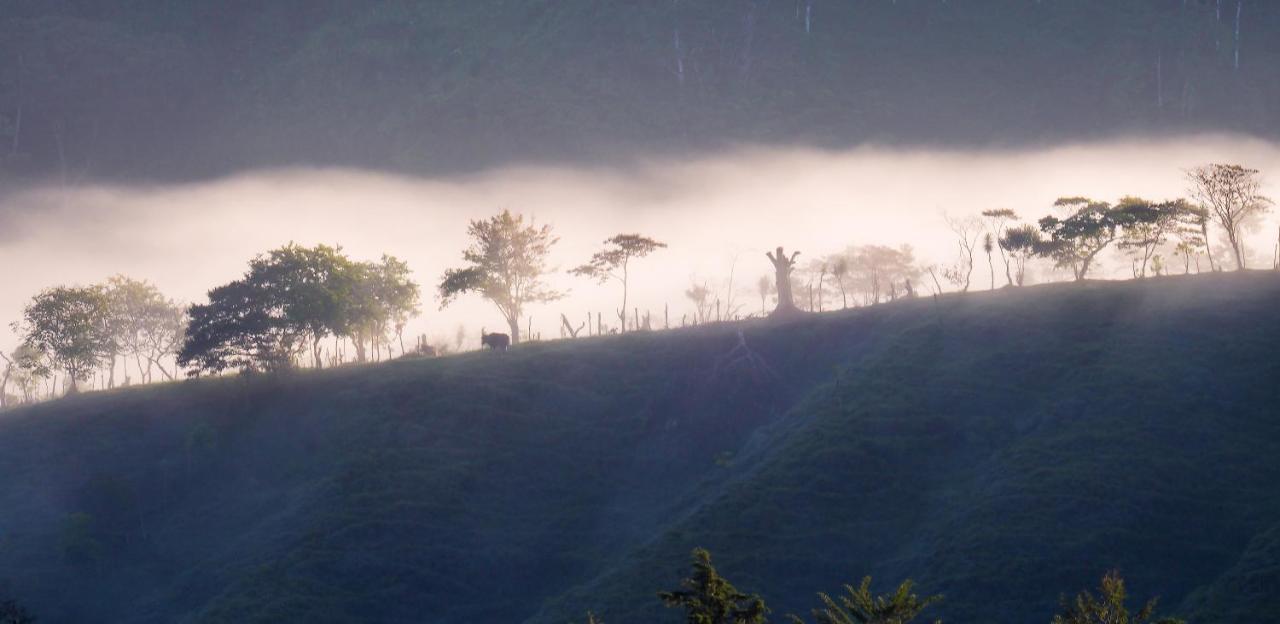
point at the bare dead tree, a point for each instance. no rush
(783, 266)
(968, 231)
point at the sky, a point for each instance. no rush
(718, 213)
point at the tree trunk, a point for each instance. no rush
(1237, 249)
(782, 266)
(513, 322)
(1208, 244)
(991, 267)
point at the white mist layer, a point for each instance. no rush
(717, 213)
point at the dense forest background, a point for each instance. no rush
(164, 89)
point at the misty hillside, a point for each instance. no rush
(164, 89)
(1000, 448)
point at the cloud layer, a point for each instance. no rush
(718, 213)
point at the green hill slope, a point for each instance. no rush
(1001, 448)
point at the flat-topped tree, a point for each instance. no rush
(1075, 241)
(783, 266)
(506, 262)
(614, 263)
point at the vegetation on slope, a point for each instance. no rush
(998, 448)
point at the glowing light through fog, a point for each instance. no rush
(711, 211)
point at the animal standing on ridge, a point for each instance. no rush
(497, 342)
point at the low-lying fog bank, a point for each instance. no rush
(718, 213)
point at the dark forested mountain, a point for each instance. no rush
(1000, 448)
(179, 88)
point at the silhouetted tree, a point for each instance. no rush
(859, 606)
(968, 231)
(614, 263)
(70, 327)
(146, 325)
(1074, 242)
(241, 327)
(1108, 607)
(998, 221)
(310, 289)
(505, 264)
(1147, 226)
(1020, 244)
(782, 267)
(288, 301)
(708, 598)
(1232, 196)
(840, 272)
(381, 302)
(764, 287)
(700, 295)
(988, 245)
(876, 269)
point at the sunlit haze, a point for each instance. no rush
(718, 214)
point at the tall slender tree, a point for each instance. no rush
(1232, 196)
(998, 221)
(614, 263)
(70, 326)
(506, 262)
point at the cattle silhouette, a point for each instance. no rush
(497, 342)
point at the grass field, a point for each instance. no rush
(1000, 448)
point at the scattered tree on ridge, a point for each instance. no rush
(1108, 607)
(1074, 242)
(988, 245)
(968, 231)
(614, 263)
(288, 301)
(708, 598)
(1020, 244)
(1232, 195)
(700, 295)
(1147, 226)
(70, 327)
(147, 326)
(764, 287)
(859, 606)
(506, 262)
(998, 221)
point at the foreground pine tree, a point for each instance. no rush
(860, 606)
(1108, 608)
(708, 598)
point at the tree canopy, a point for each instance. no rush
(290, 299)
(71, 327)
(614, 263)
(505, 263)
(708, 598)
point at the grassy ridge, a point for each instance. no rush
(1000, 448)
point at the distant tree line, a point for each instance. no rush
(315, 306)
(706, 597)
